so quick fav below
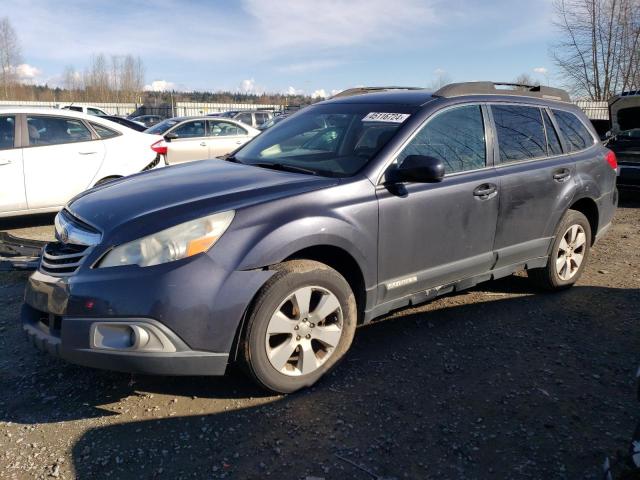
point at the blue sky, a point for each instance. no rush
(289, 45)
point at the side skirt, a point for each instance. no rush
(459, 285)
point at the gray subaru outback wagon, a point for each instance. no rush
(339, 214)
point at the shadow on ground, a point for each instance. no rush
(531, 385)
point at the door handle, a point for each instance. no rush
(485, 191)
(203, 144)
(87, 153)
(5, 162)
(239, 142)
(561, 175)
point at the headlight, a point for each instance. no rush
(181, 241)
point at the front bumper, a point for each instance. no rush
(196, 303)
(70, 339)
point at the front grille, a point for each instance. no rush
(61, 259)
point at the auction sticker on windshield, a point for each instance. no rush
(386, 117)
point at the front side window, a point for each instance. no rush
(224, 129)
(56, 130)
(573, 130)
(7, 132)
(520, 132)
(334, 140)
(455, 136)
(261, 118)
(190, 129)
(104, 132)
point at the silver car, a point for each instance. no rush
(201, 138)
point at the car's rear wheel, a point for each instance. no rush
(301, 324)
(569, 253)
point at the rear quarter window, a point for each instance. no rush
(573, 130)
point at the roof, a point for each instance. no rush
(413, 97)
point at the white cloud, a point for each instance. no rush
(320, 93)
(293, 91)
(27, 72)
(250, 86)
(160, 86)
(541, 70)
(311, 65)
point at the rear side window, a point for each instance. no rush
(553, 142)
(245, 118)
(95, 111)
(573, 130)
(224, 129)
(56, 130)
(7, 132)
(104, 132)
(520, 132)
(455, 136)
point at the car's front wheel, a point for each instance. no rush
(301, 324)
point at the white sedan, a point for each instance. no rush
(201, 138)
(48, 156)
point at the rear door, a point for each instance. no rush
(61, 159)
(12, 194)
(225, 137)
(536, 180)
(432, 234)
(190, 144)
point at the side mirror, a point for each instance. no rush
(170, 136)
(419, 168)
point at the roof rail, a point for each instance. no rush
(490, 88)
(362, 90)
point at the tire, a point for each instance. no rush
(105, 180)
(283, 349)
(568, 257)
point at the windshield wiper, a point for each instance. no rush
(286, 168)
(232, 158)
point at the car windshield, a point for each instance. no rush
(162, 127)
(330, 140)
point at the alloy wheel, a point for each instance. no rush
(571, 251)
(304, 331)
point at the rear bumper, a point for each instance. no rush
(70, 339)
(629, 175)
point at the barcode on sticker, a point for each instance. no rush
(385, 117)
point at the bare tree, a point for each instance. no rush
(9, 57)
(525, 79)
(599, 53)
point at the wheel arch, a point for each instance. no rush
(589, 208)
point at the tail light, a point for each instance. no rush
(611, 160)
(161, 147)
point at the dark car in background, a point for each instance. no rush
(626, 145)
(126, 122)
(147, 120)
(350, 209)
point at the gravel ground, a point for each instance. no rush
(499, 382)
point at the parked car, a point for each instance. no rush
(350, 209)
(626, 145)
(137, 126)
(254, 119)
(147, 120)
(275, 120)
(48, 156)
(86, 109)
(201, 138)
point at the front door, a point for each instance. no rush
(12, 196)
(60, 161)
(431, 234)
(190, 142)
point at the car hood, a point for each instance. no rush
(176, 194)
